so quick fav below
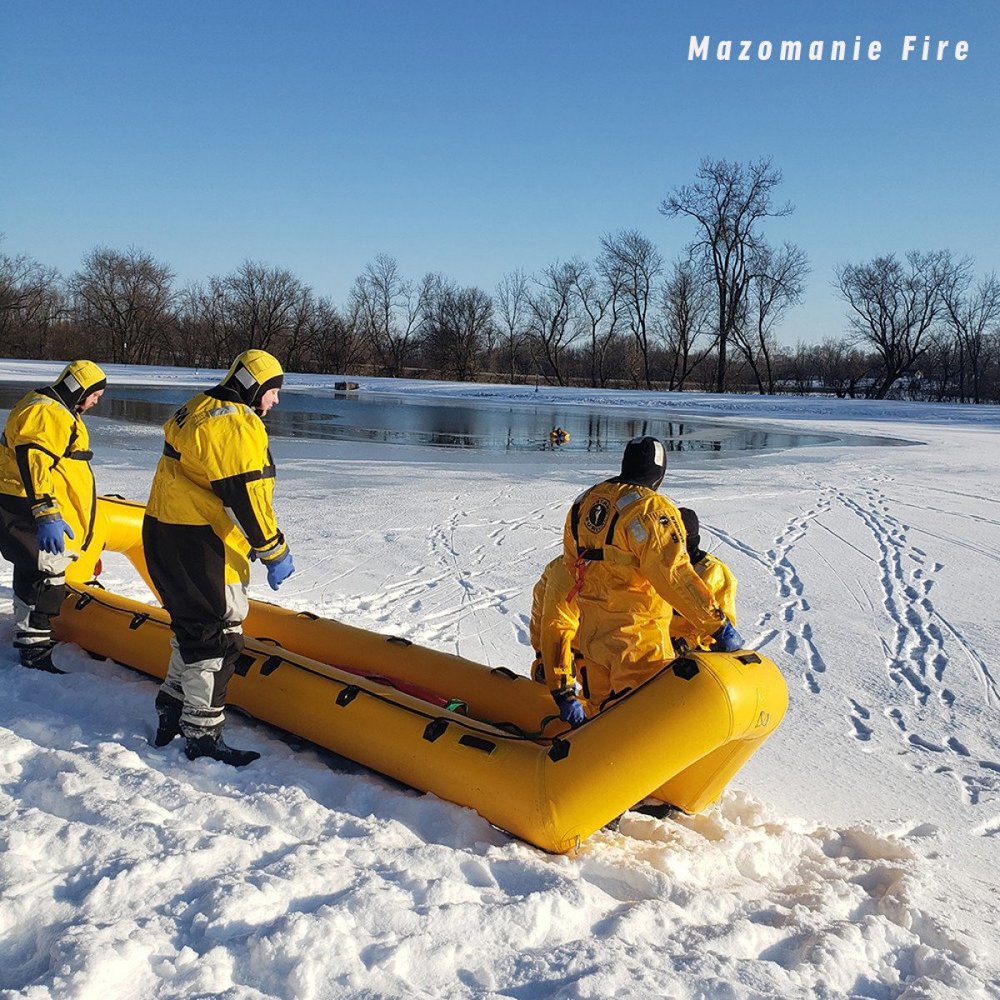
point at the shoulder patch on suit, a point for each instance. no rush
(597, 514)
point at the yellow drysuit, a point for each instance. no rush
(625, 546)
(45, 458)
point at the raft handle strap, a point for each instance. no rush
(83, 601)
(434, 729)
(139, 618)
(309, 615)
(505, 672)
(559, 750)
(269, 666)
(398, 640)
(749, 658)
(348, 694)
(478, 743)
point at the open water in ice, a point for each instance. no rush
(486, 425)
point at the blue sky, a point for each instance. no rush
(474, 137)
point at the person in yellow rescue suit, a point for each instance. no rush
(47, 501)
(209, 513)
(555, 618)
(717, 577)
(624, 544)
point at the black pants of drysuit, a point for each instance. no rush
(187, 564)
(43, 592)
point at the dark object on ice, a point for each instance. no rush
(215, 747)
(346, 386)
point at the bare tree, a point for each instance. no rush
(637, 264)
(728, 202)
(894, 307)
(389, 309)
(203, 334)
(551, 316)
(124, 301)
(686, 310)
(972, 314)
(776, 282)
(31, 302)
(840, 366)
(261, 305)
(337, 342)
(456, 327)
(600, 295)
(513, 309)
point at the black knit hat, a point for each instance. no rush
(692, 528)
(644, 462)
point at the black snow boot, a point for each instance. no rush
(168, 710)
(39, 657)
(213, 745)
(654, 808)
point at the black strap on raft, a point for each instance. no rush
(559, 750)
(348, 694)
(139, 618)
(243, 664)
(269, 666)
(82, 601)
(434, 729)
(398, 640)
(478, 743)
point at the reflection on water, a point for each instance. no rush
(488, 425)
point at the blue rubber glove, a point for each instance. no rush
(570, 709)
(279, 570)
(50, 536)
(727, 640)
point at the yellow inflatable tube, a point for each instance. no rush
(682, 735)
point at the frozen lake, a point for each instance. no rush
(485, 425)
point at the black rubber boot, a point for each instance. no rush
(39, 657)
(168, 709)
(658, 810)
(215, 747)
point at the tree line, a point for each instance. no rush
(921, 324)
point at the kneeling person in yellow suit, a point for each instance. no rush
(624, 543)
(47, 496)
(717, 577)
(210, 511)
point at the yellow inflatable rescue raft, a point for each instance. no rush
(478, 736)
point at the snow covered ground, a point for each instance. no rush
(855, 856)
